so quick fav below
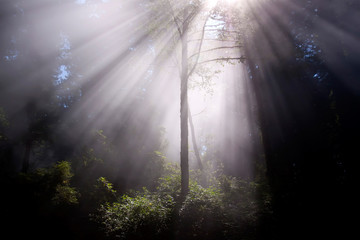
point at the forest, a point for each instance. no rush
(179, 119)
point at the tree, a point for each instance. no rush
(183, 17)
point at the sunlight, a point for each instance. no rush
(213, 3)
(107, 107)
(232, 1)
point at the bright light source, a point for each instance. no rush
(212, 3)
(230, 2)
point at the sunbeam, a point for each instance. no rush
(178, 119)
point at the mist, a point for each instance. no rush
(272, 91)
(92, 64)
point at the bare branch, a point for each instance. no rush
(200, 45)
(217, 48)
(176, 20)
(212, 39)
(196, 114)
(190, 17)
(241, 59)
(220, 30)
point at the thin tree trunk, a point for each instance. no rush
(184, 149)
(193, 138)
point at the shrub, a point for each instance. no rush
(65, 194)
(144, 215)
(230, 209)
(202, 213)
(51, 185)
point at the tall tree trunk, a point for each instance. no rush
(184, 148)
(193, 138)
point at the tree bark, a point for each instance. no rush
(184, 148)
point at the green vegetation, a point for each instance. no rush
(217, 205)
(50, 185)
(228, 209)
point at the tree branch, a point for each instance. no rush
(176, 20)
(189, 18)
(193, 115)
(200, 45)
(212, 39)
(213, 49)
(241, 59)
(221, 30)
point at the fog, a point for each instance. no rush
(273, 89)
(113, 67)
(106, 65)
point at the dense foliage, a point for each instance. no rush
(229, 209)
(226, 207)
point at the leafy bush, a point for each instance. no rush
(202, 213)
(51, 185)
(171, 182)
(144, 215)
(102, 192)
(229, 210)
(65, 194)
